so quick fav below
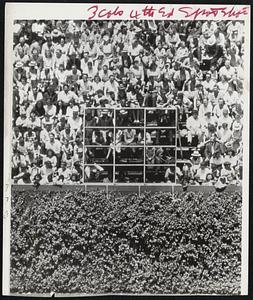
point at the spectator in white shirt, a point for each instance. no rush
(50, 108)
(231, 96)
(97, 84)
(111, 86)
(59, 59)
(204, 107)
(33, 122)
(135, 49)
(75, 121)
(61, 75)
(227, 71)
(54, 145)
(44, 134)
(209, 83)
(218, 109)
(105, 73)
(234, 31)
(222, 85)
(193, 124)
(225, 118)
(90, 70)
(66, 95)
(224, 135)
(202, 172)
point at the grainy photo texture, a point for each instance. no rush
(127, 156)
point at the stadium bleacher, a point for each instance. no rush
(118, 102)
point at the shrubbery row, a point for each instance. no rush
(154, 243)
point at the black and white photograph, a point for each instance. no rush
(126, 152)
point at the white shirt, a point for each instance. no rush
(50, 110)
(135, 51)
(218, 111)
(203, 109)
(193, 124)
(208, 84)
(111, 87)
(55, 146)
(224, 135)
(65, 98)
(61, 76)
(75, 124)
(231, 99)
(202, 173)
(228, 73)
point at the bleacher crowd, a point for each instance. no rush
(65, 69)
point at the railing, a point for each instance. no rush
(123, 188)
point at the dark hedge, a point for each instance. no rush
(70, 242)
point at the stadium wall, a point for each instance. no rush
(127, 188)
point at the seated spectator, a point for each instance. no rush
(98, 137)
(50, 108)
(214, 96)
(225, 118)
(75, 121)
(206, 106)
(67, 134)
(216, 161)
(219, 108)
(24, 176)
(208, 84)
(202, 172)
(211, 146)
(228, 172)
(150, 155)
(19, 72)
(231, 96)
(73, 75)
(129, 135)
(64, 174)
(17, 135)
(196, 160)
(50, 156)
(66, 95)
(193, 124)
(61, 75)
(21, 121)
(227, 71)
(209, 180)
(46, 130)
(225, 135)
(169, 176)
(75, 83)
(47, 173)
(105, 120)
(39, 109)
(59, 59)
(54, 145)
(33, 122)
(78, 145)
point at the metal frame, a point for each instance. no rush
(143, 127)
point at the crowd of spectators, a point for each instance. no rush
(65, 72)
